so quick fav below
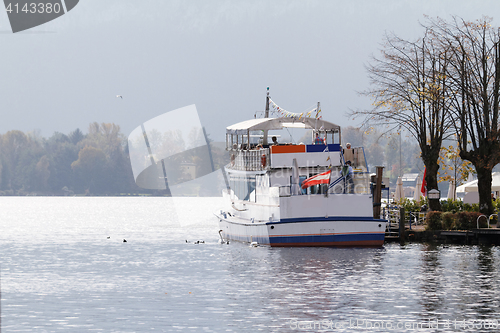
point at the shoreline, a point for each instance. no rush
(489, 236)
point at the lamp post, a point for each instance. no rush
(400, 146)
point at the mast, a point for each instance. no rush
(316, 123)
(266, 115)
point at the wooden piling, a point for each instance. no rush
(377, 195)
(402, 225)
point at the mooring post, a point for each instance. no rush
(377, 195)
(401, 224)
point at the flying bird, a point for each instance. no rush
(119, 96)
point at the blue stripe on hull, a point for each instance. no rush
(315, 240)
(330, 218)
(329, 240)
(355, 239)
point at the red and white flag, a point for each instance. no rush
(322, 178)
(423, 190)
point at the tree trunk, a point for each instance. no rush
(431, 179)
(430, 157)
(484, 188)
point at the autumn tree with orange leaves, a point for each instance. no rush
(453, 168)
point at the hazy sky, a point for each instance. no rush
(219, 55)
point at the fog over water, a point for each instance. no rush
(219, 55)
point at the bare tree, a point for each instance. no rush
(409, 88)
(474, 74)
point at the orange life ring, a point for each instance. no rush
(263, 160)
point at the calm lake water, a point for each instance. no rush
(61, 273)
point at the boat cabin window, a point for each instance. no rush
(318, 189)
(285, 136)
(301, 180)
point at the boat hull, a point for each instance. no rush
(306, 232)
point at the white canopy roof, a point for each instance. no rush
(461, 188)
(472, 186)
(280, 123)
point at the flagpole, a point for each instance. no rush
(400, 168)
(329, 180)
(266, 115)
(317, 113)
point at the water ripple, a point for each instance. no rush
(60, 273)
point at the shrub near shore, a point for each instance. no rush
(455, 214)
(454, 221)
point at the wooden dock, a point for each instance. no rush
(484, 236)
(474, 236)
(400, 230)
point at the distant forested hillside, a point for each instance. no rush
(96, 163)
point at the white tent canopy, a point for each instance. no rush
(244, 127)
(472, 186)
(400, 193)
(461, 188)
(417, 194)
(452, 191)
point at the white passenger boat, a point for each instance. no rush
(296, 194)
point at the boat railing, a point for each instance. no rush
(392, 218)
(392, 215)
(250, 160)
